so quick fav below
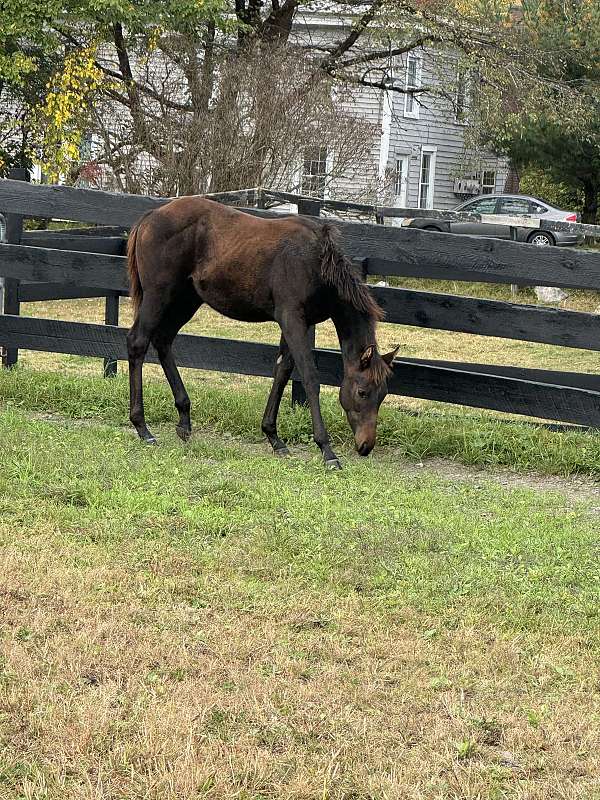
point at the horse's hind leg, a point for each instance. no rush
(175, 317)
(283, 370)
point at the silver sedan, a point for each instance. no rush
(509, 205)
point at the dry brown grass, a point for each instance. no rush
(111, 690)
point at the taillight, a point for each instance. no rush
(571, 218)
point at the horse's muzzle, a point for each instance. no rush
(364, 448)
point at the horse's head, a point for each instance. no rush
(362, 392)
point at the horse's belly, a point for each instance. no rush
(234, 302)
(239, 311)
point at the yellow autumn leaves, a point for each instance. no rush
(59, 118)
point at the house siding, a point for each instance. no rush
(436, 127)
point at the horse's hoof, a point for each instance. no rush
(281, 452)
(185, 434)
(150, 440)
(333, 463)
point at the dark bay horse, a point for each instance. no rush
(291, 270)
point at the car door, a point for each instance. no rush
(512, 207)
(483, 205)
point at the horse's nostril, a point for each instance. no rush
(364, 449)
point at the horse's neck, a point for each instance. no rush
(355, 331)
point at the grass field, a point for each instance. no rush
(207, 621)
(210, 622)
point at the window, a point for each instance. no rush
(513, 206)
(462, 96)
(466, 87)
(427, 178)
(401, 181)
(481, 206)
(413, 79)
(314, 172)
(488, 182)
(537, 208)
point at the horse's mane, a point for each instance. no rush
(338, 271)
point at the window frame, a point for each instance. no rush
(412, 113)
(401, 197)
(312, 176)
(483, 185)
(432, 153)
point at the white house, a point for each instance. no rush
(419, 157)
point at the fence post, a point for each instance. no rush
(514, 287)
(9, 287)
(111, 317)
(309, 208)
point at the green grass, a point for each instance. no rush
(208, 621)
(455, 550)
(471, 438)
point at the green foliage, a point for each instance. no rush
(47, 68)
(556, 128)
(539, 182)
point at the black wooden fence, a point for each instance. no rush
(89, 262)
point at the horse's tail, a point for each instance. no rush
(338, 271)
(135, 286)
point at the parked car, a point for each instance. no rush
(510, 205)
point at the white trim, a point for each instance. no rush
(328, 168)
(414, 113)
(431, 151)
(401, 200)
(490, 186)
(328, 171)
(384, 147)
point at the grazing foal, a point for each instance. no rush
(193, 251)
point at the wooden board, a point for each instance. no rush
(390, 251)
(88, 205)
(110, 245)
(63, 266)
(410, 252)
(76, 271)
(457, 383)
(40, 292)
(490, 318)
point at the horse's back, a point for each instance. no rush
(237, 261)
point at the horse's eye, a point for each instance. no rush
(362, 393)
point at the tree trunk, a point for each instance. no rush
(591, 190)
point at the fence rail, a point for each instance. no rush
(388, 212)
(33, 268)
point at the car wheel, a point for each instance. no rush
(431, 228)
(541, 239)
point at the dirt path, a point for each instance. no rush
(574, 488)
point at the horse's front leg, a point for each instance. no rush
(283, 370)
(295, 332)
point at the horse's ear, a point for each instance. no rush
(389, 357)
(367, 356)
